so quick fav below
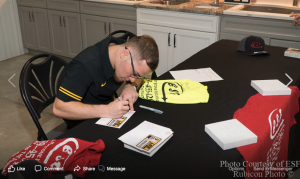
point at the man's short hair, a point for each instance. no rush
(145, 49)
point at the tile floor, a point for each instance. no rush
(17, 129)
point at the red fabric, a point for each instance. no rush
(270, 118)
(65, 153)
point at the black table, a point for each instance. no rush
(191, 153)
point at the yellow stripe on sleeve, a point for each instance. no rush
(70, 93)
(72, 96)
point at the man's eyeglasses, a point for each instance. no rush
(134, 74)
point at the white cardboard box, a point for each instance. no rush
(292, 52)
(270, 87)
(230, 134)
(137, 135)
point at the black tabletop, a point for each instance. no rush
(191, 152)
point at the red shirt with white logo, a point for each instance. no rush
(270, 118)
(69, 154)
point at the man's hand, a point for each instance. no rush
(117, 109)
(129, 94)
(76, 110)
(297, 16)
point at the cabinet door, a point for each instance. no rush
(57, 34)
(3, 55)
(94, 29)
(284, 43)
(40, 19)
(239, 37)
(186, 43)
(121, 24)
(27, 27)
(163, 37)
(33, 3)
(72, 27)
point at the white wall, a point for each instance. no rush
(276, 2)
(11, 44)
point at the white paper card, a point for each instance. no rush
(138, 134)
(117, 122)
(153, 151)
(230, 134)
(270, 87)
(200, 75)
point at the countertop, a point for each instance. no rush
(190, 7)
(184, 7)
(123, 2)
(237, 11)
(187, 6)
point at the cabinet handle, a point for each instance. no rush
(32, 16)
(169, 39)
(29, 16)
(64, 20)
(109, 28)
(174, 40)
(60, 20)
(105, 27)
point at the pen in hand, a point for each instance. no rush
(120, 99)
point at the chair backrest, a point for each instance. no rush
(39, 83)
(124, 34)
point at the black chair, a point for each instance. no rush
(126, 35)
(123, 34)
(39, 84)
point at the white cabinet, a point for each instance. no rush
(275, 32)
(122, 24)
(178, 35)
(65, 33)
(163, 37)
(284, 43)
(100, 19)
(187, 43)
(96, 28)
(35, 30)
(27, 27)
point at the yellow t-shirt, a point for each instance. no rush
(174, 91)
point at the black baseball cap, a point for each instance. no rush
(252, 45)
(29, 169)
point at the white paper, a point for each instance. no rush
(200, 75)
(137, 134)
(109, 121)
